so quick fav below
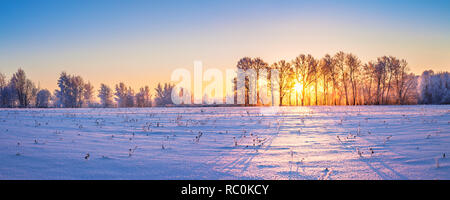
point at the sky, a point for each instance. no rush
(142, 42)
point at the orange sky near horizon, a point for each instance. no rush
(139, 47)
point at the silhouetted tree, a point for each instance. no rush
(285, 74)
(304, 68)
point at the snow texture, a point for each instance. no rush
(360, 142)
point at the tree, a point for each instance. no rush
(88, 94)
(326, 68)
(163, 94)
(71, 93)
(43, 99)
(353, 66)
(130, 98)
(62, 95)
(434, 88)
(106, 96)
(339, 63)
(258, 64)
(369, 75)
(403, 81)
(285, 74)
(244, 64)
(304, 69)
(380, 79)
(3, 89)
(143, 98)
(6, 93)
(121, 95)
(77, 90)
(23, 88)
(334, 76)
(392, 65)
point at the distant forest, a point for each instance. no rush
(341, 79)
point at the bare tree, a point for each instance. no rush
(353, 65)
(258, 64)
(327, 69)
(402, 81)
(245, 64)
(2, 81)
(369, 75)
(285, 74)
(304, 69)
(342, 72)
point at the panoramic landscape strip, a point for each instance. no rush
(210, 99)
(339, 80)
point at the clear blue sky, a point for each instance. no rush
(141, 42)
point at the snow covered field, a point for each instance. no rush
(362, 142)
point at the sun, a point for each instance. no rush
(298, 87)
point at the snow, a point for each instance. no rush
(408, 142)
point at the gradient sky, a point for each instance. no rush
(142, 42)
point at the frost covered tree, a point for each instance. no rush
(8, 97)
(71, 92)
(143, 98)
(77, 87)
(23, 88)
(124, 96)
(130, 98)
(2, 81)
(121, 95)
(163, 94)
(7, 94)
(88, 94)
(105, 94)
(403, 82)
(43, 99)
(62, 95)
(3, 90)
(434, 88)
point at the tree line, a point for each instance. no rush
(74, 92)
(341, 79)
